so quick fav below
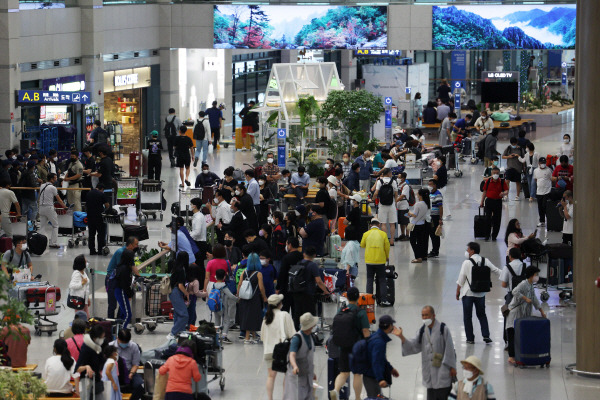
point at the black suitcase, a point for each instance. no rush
(554, 221)
(36, 243)
(332, 373)
(150, 373)
(390, 276)
(525, 187)
(481, 225)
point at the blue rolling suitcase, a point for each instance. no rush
(532, 341)
(332, 373)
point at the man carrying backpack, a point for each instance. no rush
(405, 199)
(512, 274)
(201, 129)
(171, 125)
(303, 280)
(474, 281)
(349, 326)
(386, 191)
(98, 135)
(438, 356)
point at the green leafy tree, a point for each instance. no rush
(258, 22)
(351, 113)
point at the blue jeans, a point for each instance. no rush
(180, 312)
(201, 145)
(277, 265)
(479, 302)
(532, 185)
(191, 309)
(124, 306)
(30, 209)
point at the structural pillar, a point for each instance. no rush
(348, 72)
(169, 63)
(10, 75)
(92, 46)
(586, 214)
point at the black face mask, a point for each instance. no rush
(228, 243)
(136, 250)
(73, 160)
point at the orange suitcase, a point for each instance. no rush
(341, 228)
(366, 301)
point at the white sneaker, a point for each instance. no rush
(517, 198)
(170, 337)
(333, 395)
(541, 224)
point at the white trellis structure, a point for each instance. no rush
(288, 83)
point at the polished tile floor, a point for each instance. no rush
(431, 283)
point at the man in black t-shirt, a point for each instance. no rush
(184, 151)
(154, 157)
(96, 203)
(314, 233)
(322, 198)
(293, 257)
(306, 301)
(441, 176)
(104, 173)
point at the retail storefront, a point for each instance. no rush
(125, 97)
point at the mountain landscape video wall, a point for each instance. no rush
(504, 27)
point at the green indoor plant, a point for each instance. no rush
(20, 386)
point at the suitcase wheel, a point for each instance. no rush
(544, 296)
(105, 251)
(138, 328)
(222, 380)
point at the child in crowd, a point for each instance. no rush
(226, 316)
(112, 390)
(488, 171)
(195, 275)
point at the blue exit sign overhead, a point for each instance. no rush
(47, 97)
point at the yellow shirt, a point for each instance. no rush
(376, 245)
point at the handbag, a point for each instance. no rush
(230, 281)
(439, 231)
(246, 291)
(165, 285)
(75, 302)
(410, 227)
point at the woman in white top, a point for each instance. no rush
(332, 185)
(531, 161)
(59, 370)
(80, 284)
(419, 236)
(566, 149)
(276, 327)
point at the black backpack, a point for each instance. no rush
(343, 329)
(199, 131)
(516, 279)
(102, 136)
(386, 194)
(280, 355)
(170, 128)
(483, 186)
(297, 280)
(481, 277)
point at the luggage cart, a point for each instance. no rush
(185, 196)
(211, 363)
(116, 221)
(43, 300)
(127, 192)
(152, 299)
(72, 224)
(151, 198)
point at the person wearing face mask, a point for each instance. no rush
(48, 195)
(386, 190)
(272, 173)
(521, 306)
(131, 244)
(436, 200)
(198, 232)
(257, 243)
(74, 177)
(346, 164)
(438, 356)
(90, 362)
(531, 162)
(240, 222)
(53, 162)
(278, 238)
(467, 292)
(299, 184)
(79, 285)
(445, 134)
(472, 386)
(490, 142)
(300, 372)
(41, 169)
(228, 184)
(221, 213)
(562, 175)
(123, 289)
(322, 200)
(234, 254)
(129, 352)
(247, 204)
(377, 254)
(494, 190)
(17, 261)
(329, 168)
(253, 189)
(566, 148)
(206, 178)
(567, 208)
(110, 374)
(181, 241)
(268, 271)
(266, 199)
(514, 167)
(365, 171)
(484, 124)
(542, 177)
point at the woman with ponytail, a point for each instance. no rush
(59, 370)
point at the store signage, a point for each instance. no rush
(48, 97)
(73, 83)
(499, 74)
(388, 101)
(124, 80)
(564, 78)
(458, 67)
(369, 52)
(281, 134)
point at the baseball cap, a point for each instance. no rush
(386, 320)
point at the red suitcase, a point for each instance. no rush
(166, 308)
(37, 295)
(134, 163)
(5, 244)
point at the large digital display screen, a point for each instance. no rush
(499, 92)
(300, 27)
(504, 27)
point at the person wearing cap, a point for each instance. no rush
(74, 177)
(377, 253)
(438, 356)
(277, 326)
(48, 195)
(182, 368)
(154, 156)
(361, 325)
(472, 386)
(300, 373)
(29, 208)
(379, 372)
(70, 331)
(352, 220)
(181, 242)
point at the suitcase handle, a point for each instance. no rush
(480, 208)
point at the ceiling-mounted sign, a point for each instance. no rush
(124, 80)
(47, 97)
(132, 78)
(73, 83)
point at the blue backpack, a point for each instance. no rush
(360, 362)
(214, 300)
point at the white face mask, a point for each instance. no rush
(495, 176)
(272, 220)
(264, 262)
(237, 192)
(216, 200)
(427, 321)
(270, 160)
(566, 140)
(536, 279)
(467, 255)
(87, 264)
(542, 166)
(326, 166)
(205, 171)
(387, 180)
(261, 182)
(55, 159)
(24, 246)
(14, 157)
(468, 374)
(99, 341)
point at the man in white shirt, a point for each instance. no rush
(253, 190)
(543, 179)
(198, 232)
(48, 194)
(386, 190)
(567, 206)
(403, 206)
(476, 296)
(484, 124)
(7, 199)
(221, 213)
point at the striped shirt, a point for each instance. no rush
(436, 200)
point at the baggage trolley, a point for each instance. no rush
(43, 300)
(185, 196)
(118, 221)
(151, 198)
(72, 224)
(127, 192)
(209, 363)
(458, 146)
(152, 299)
